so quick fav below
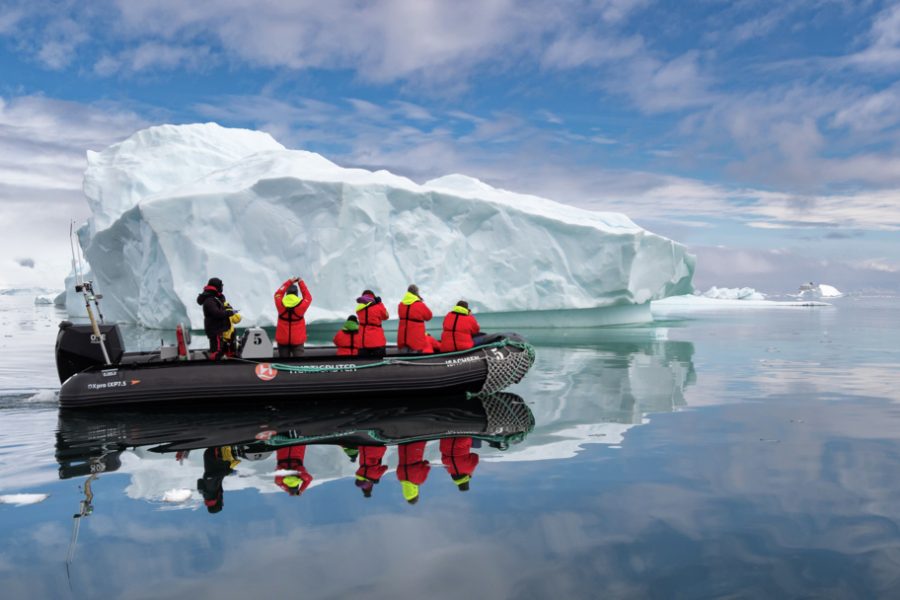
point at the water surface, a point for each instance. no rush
(738, 454)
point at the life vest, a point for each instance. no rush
(459, 327)
(291, 459)
(347, 342)
(457, 456)
(370, 466)
(412, 466)
(370, 317)
(291, 328)
(411, 332)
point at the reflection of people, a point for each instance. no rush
(218, 463)
(412, 313)
(370, 468)
(459, 327)
(412, 469)
(351, 452)
(291, 475)
(457, 456)
(291, 303)
(371, 312)
(216, 316)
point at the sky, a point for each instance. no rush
(763, 135)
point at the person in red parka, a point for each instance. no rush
(291, 458)
(459, 327)
(347, 339)
(412, 470)
(412, 313)
(432, 346)
(371, 313)
(291, 304)
(370, 468)
(457, 456)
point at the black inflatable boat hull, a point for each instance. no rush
(132, 383)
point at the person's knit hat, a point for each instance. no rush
(215, 282)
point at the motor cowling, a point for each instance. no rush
(77, 348)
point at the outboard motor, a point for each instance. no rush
(77, 348)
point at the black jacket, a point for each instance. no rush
(215, 315)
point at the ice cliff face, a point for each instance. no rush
(175, 205)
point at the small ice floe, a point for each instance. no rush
(744, 293)
(44, 300)
(23, 499)
(177, 495)
(43, 397)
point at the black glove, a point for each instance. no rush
(377, 299)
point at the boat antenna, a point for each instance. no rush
(86, 507)
(86, 289)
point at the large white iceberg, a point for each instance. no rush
(175, 205)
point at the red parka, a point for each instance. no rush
(413, 313)
(370, 315)
(457, 456)
(347, 342)
(432, 346)
(412, 466)
(291, 459)
(459, 327)
(370, 466)
(291, 329)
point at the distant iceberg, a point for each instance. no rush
(744, 293)
(813, 291)
(173, 205)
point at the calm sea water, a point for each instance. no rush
(740, 454)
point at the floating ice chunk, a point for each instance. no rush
(815, 291)
(177, 495)
(744, 293)
(23, 499)
(689, 303)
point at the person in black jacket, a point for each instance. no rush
(216, 316)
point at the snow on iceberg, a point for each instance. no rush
(174, 205)
(744, 293)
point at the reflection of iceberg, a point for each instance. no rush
(595, 393)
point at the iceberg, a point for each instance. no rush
(744, 293)
(174, 205)
(812, 291)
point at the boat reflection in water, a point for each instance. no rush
(271, 445)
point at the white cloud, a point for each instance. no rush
(871, 113)
(42, 160)
(883, 51)
(154, 55)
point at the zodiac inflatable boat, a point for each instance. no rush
(103, 374)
